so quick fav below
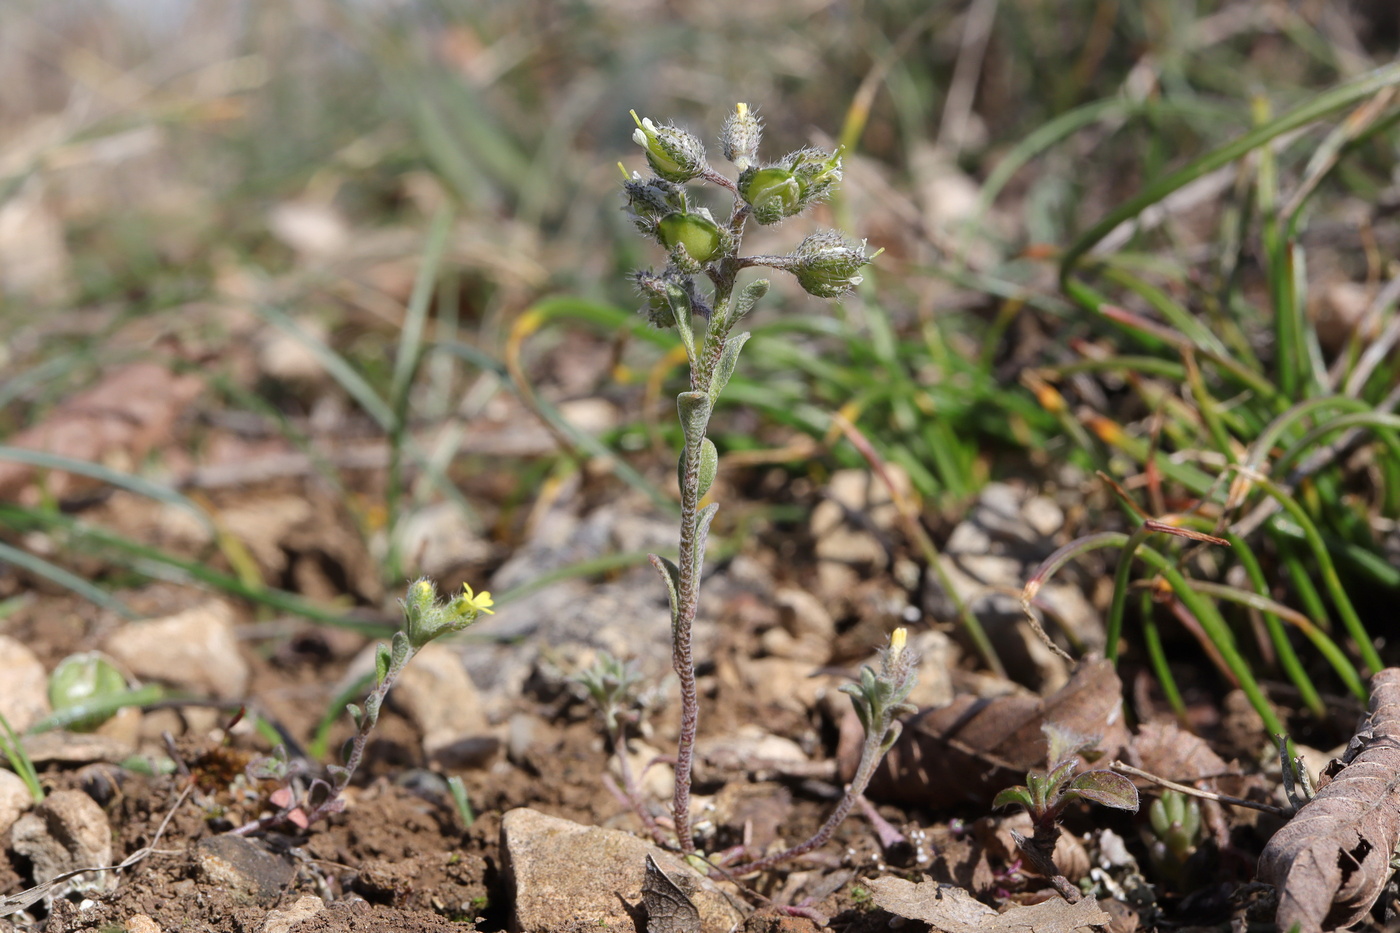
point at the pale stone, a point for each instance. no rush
(14, 799)
(281, 921)
(25, 699)
(67, 832)
(435, 692)
(195, 650)
(558, 872)
(140, 923)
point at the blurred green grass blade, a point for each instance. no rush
(1328, 571)
(377, 408)
(64, 578)
(154, 563)
(1157, 657)
(1040, 139)
(13, 751)
(1315, 108)
(410, 348)
(339, 368)
(1177, 317)
(406, 360)
(128, 481)
(1385, 425)
(99, 707)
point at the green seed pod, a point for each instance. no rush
(697, 233)
(672, 153)
(80, 679)
(709, 466)
(827, 266)
(772, 193)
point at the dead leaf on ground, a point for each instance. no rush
(1332, 860)
(121, 418)
(668, 908)
(950, 909)
(972, 748)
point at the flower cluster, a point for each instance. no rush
(825, 264)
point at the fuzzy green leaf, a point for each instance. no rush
(1107, 788)
(709, 467)
(381, 662)
(671, 576)
(749, 297)
(1017, 795)
(728, 360)
(694, 408)
(702, 534)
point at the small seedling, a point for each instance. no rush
(1046, 794)
(1175, 819)
(825, 264)
(878, 699)
(611, 685)
(426, 618)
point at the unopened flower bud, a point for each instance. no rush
(740, 137)
(650, 199)
(696, 233)
(816, 167)
(772, 193)
(828, 266)
(672, 153)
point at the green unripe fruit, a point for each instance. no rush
(698, 234)
(81, 678)
(709, 466)
(772, 193)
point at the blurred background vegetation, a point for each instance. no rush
(401, 182)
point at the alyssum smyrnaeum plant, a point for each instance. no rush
(826, 265)
(426, 618)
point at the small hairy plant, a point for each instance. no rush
(700, 247)
(1046, 794)
(612, 686)
(426, 617)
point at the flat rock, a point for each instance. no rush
(67, 832)
(194, 650)
(25, 699)
(568, 877)
(281, 921)
(245, 869)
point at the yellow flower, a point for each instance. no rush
(481, 602)
(897, 641)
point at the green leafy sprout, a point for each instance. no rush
(1046, 794)
(427, 617)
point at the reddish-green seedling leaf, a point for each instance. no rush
(1103, 787)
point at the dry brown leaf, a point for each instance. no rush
(122, 418)
(950, 909)
(973, 748)
(1169, 751)
(1332, 860)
